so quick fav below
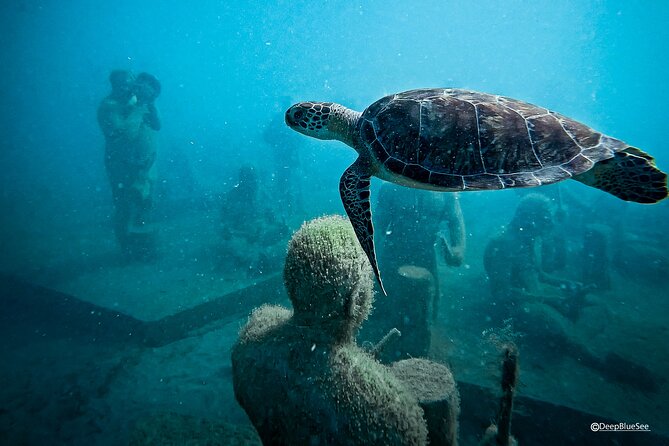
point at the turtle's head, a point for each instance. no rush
(311, 119)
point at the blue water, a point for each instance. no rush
(228, 71)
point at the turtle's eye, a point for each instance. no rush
(298, 115)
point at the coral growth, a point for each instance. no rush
(300, 376)
(328, 277)
(434, 386)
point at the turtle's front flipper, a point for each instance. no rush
(354, 190)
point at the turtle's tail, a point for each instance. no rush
(630, 175)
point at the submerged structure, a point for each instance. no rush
(302, 379)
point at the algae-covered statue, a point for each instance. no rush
(412, 224)
(458, 140)
(543, 306)
(299, 374)
(129, 121)
(253, 237)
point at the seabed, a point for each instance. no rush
(93, 347)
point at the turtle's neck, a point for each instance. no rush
(344, 125)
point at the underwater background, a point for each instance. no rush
(96, 350)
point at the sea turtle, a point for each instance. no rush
(461, 140)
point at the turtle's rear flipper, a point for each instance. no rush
(630, 175)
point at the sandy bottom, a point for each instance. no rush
(82, 392)
(76, 391)
(72, 392)
(86, 263)
(630, 321)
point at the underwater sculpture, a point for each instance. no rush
(434, 386)
(458, 140)
(253, 238)
(545, 307)
(129, 121)
(513, 265)
(409, 258)
(300, 376)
